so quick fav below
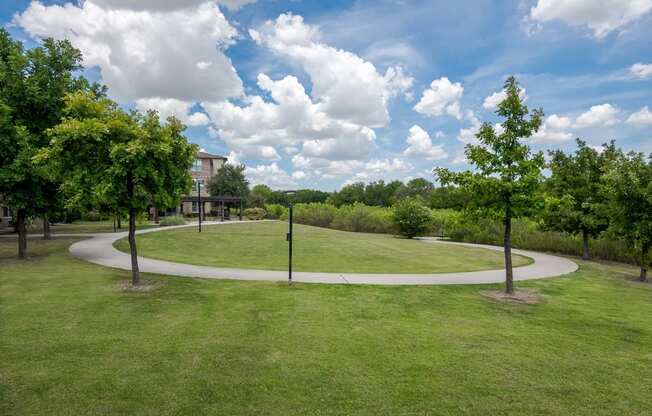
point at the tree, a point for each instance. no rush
(229, 181)
(33, 84)
(507, 174)
(411, 217)
(629, 185)
(348, 195)
(576, 202)
(420, 187)
(123, 162)
(449, 197)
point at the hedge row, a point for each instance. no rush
(453, 225)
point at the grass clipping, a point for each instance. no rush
(525, 297)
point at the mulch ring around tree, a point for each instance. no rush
(522, 296)
(144, 286)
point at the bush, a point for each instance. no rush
(318, 214)
(172, 220)
(411, 217)
(276, 211)
(526, 234)
(255, 213)
(362, 218)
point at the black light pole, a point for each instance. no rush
(199, 198)
(289, 236)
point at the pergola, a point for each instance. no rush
(222, 200)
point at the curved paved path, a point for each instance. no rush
(99, 249)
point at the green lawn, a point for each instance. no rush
(262, 245)
(72, 343)
(83, 227)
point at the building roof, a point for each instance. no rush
(204, 155)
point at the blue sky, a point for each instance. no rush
(318, 94)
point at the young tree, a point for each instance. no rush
(229, 181)
(577, 200)
(124, 161)
(507, 174)
(411, 217)
(629, 185)
(33, 84)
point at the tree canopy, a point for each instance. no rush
(629, 185)
(33, 84)
(576, 200)
(107, 157)
(229, 180)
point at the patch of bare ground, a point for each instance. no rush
(144, 286)
(524, 296)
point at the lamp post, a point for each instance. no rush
(289, 236)
(199, 199)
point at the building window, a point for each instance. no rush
(196, 167)
(195, 207)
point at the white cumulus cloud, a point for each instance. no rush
(344, 86)
(420, 145)
(641, 70)
(598, 115)
(172, 107)
(443, 97)
(144, 53)
(601, 16)
(642, 117)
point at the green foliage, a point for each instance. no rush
(576, 200)
(357, 217)
(449, 197)
(507, 175)
(126, 162)
(321, 215)
(255, 214)
(33, 84)
(229, 181)
(170, 220)
(377, 193)
(629, 184)
(411, 217)
(276, 211)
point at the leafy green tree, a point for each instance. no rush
(124, 162)
(507, 174)
(412, 217)
(348, 195)
(420, 187)
(576, 202)
(229, 181)
(309, 196)
(629, 185)
(380, 194)
(449, 197)
(33, 84)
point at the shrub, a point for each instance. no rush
(411, 217)
(172, 220)
(276, 211)
(362, 218)
(318, 214)
(255, 213)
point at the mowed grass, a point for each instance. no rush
(73, 343)
(262, 245)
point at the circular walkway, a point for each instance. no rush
(99, 249)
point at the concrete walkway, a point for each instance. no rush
(98, 249)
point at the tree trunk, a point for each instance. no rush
(47, 235)
(644, 252)
(135, 273)
(119, 223)
(156, 221)
(585, 245)
(509, 273)
(22, 233)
